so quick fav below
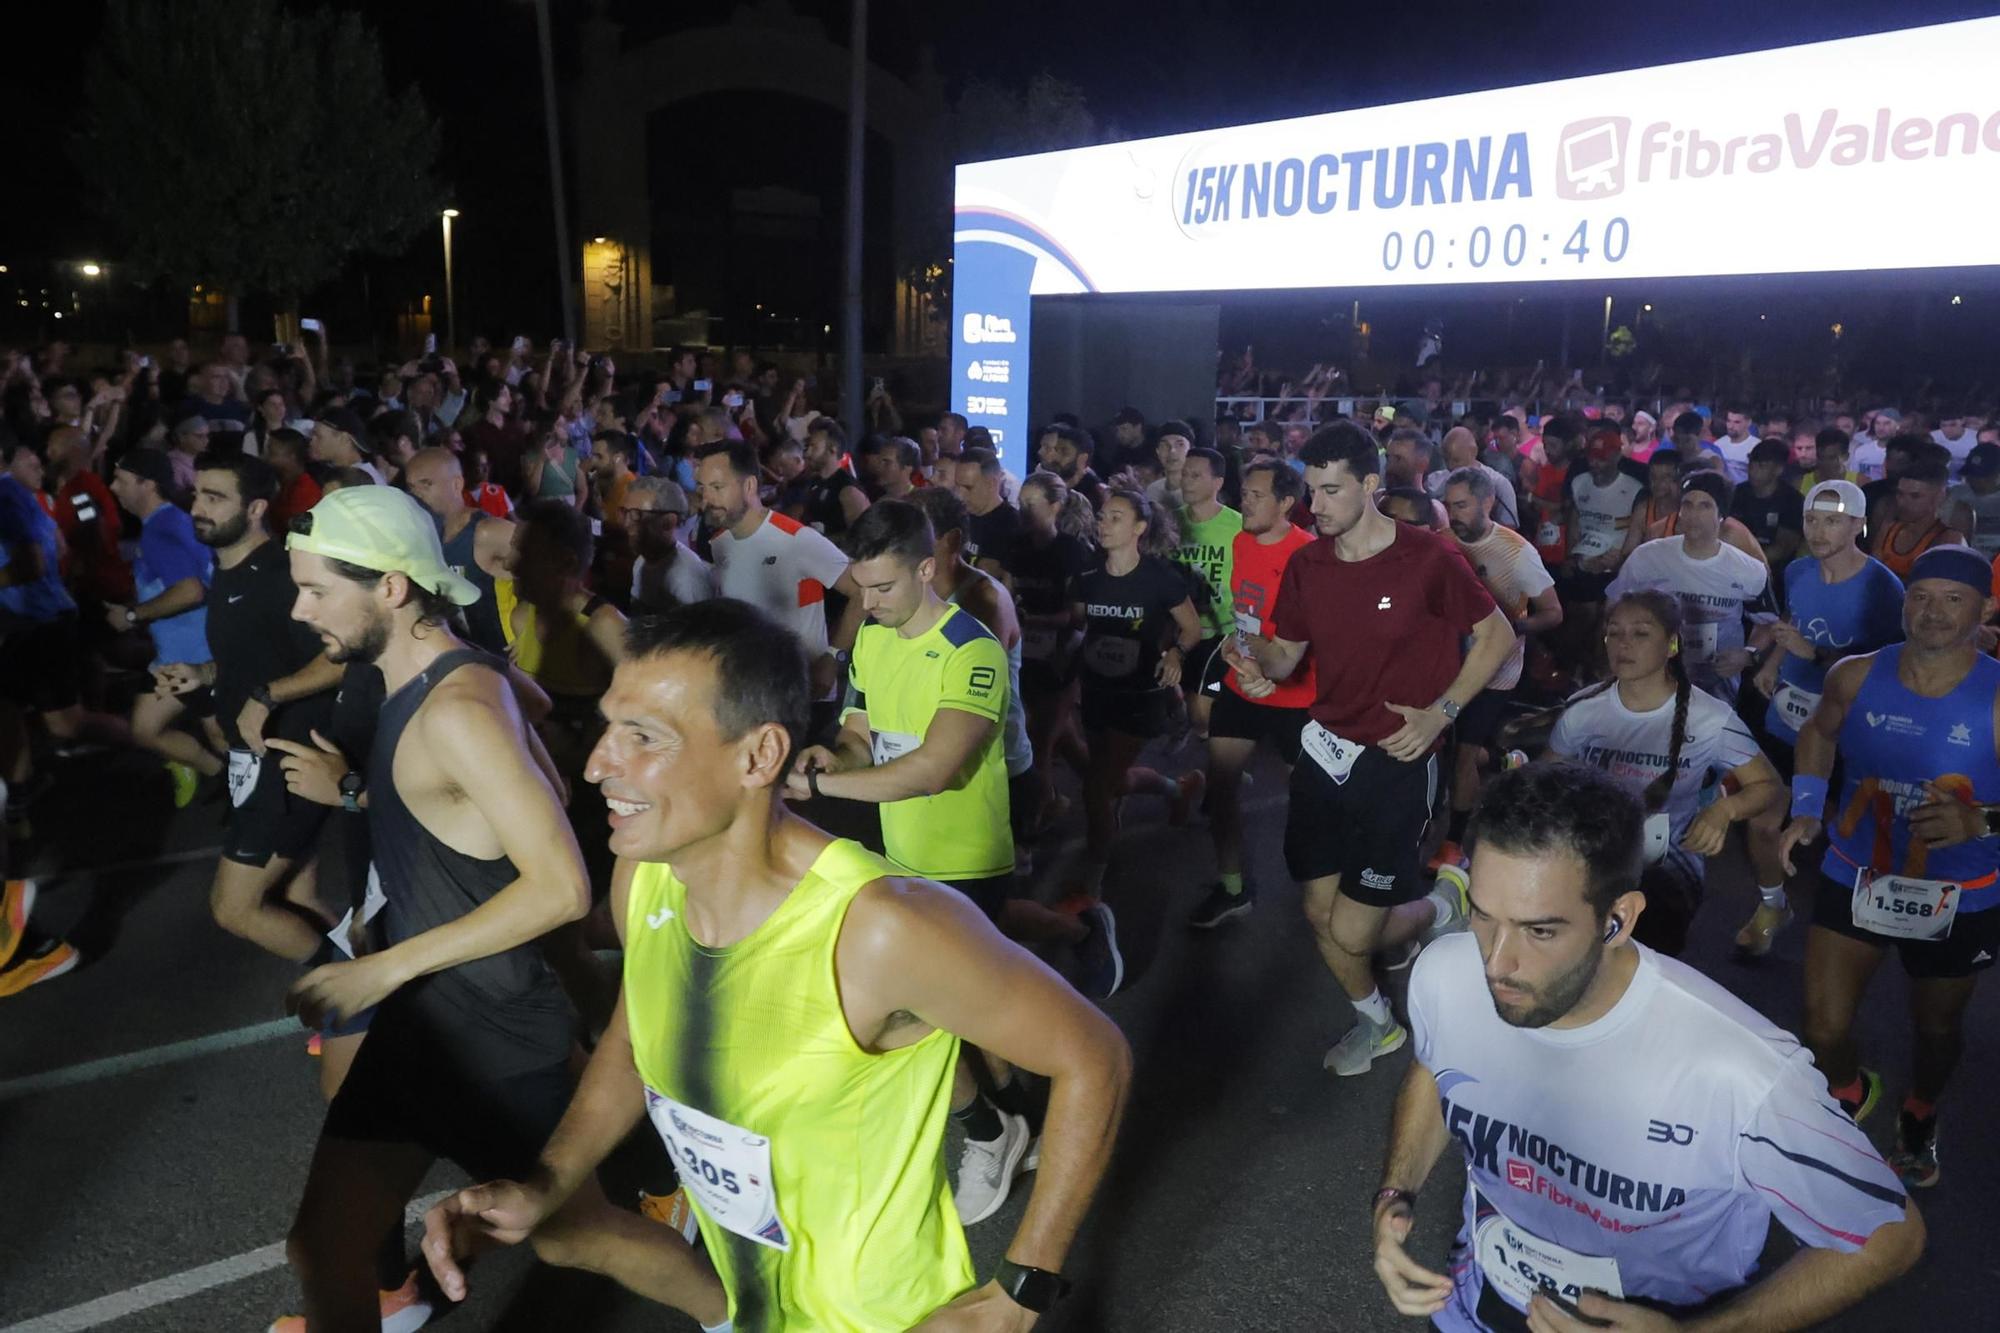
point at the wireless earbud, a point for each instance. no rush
(1612, 927)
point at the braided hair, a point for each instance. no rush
(1666, 611)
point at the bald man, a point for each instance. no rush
(477, 546)
(1461, 449)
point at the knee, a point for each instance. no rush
(231, 907)
(1357, 940)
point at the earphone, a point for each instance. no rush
(1612, 927)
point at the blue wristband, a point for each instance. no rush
(1808, 796)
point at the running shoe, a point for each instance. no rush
(314, 1047)
(404, 1310)
(1452, 897)
(1100, 967)
(1871, 1092)
(1219, 905)
(1187, 797)
(17, 904)
(50, 959)
(1448, 854)
(1760, 932)
(186, 783)
(1915, 1158)
(1396, 960)
(671, 1210)
(1364, 1044)
(986, 1170)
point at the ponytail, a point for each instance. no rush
(1162, 534)
(1075, 516)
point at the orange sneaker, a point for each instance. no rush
(17, 904)
(1448, 854)
(404, 1310)
(1188, 791)
(51, 959)
(313, 1046)
(671, 1210)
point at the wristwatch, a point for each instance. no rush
(352, 784)
(262, 694)
(1391, 1194)
(1448, 707)
(1034, 1289)
(131, 617)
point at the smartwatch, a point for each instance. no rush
(1034, 1289)
(352, 784)
(262, 694)
(1448, 707)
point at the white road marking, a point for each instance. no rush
(90, 1071)
(179, 1286)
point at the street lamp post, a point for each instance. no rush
(450, 291)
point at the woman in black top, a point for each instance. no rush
(1057, 541)
(1138, 624)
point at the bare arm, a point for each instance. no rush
(850, 618)
(1545, 612)
(853, 502)
(1417, 1138)
(493, 546)
(1277, 658)
(953, 738)
(185, 595)
(1492, 640)
(607, 632)
(1816, 1284)
(1812, 758)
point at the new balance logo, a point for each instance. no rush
(770, 559)
(1382, 605)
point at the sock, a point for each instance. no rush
(1374, 1009)
(1851, 1092)
(1232, 882)
(1918, 1108)
(1456, 830)
(1011, 1096)
(725, 1326)
(980, 1120)
(1773, 895)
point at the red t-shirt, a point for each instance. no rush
(292, 501)
(490, 498)
(1255, 572)
(1385, 630)
(1550, 489)
(90, 523)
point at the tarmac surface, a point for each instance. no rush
(157, 1113)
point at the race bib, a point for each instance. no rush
(1904, 908)
(1549, 534)
(1659, 829)
(1247, 623)
(1038, 643)
(887, 745)
(1111, 657)
(1518, 1263)
(1794, 705)
(372, 902)
(1594, 541)
(1332, 753)
(243, 770)
(1698, 643)
(725, 1167)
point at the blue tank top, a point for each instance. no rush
(482, 618)
(1857, 615)
(1892, 744)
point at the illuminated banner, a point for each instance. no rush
(1877, 152)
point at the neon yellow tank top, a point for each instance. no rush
(816, 1168)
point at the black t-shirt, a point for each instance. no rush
(823, 508)
(1092, 488)
(1128, 620)
(255, 641)
(992, 536)
(1783, 509)
(1042, 573)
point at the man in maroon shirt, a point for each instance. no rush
(89, 519)
(1383, 607)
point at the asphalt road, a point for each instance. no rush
(148, 1187)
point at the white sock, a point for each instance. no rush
(1374, 1009)
(1772, 894)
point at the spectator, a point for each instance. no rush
(611, 474)
(187, 441)
(271, 412)
(666, 573)
(494, 430)
(480, 490)
(88, 516)
(890, 463)
(336, 443)
(218, 398)
(286, 451)
(553, 470)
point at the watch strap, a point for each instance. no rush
(1035, 1289)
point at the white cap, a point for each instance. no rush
(1839, 497)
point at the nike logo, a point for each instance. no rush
(654, 920)
(237, 598)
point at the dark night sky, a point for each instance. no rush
(1146, 66)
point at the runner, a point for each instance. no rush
(1830, 448)
(791, 1016)
(467, 1055)
(1911, 858)
(1065, 451)
(1548, 500)
(1768, 507)
(1057, 539)
(28, 955)
(1522, 587)
(1713, 582)
(1383, 608)
(834, 496)
(478, 547)
(1601, 497)
(1918, 524)
(665, 571)
(1240, 720)
(1630, 1128)
(1669, 744)
(995, 525)
(1840, 601)
(1974, 504)
(1139, 625)
(1208, 531)
(1736, 442)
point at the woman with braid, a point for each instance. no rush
(1675, 745)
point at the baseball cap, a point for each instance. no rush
(1844, 497)
(1385, 411)
(381, 528)
(1606, 445)
(1711, 485)
(150, 465)
(1983, 461)
(347, 421)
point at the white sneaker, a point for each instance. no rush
(1364, 1042)
(986, 1170)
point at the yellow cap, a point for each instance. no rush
(381, 528)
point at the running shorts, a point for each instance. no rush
(1234, 717)
(1971, 947)
(1141, 714)
(267, 820)
(1367, 830)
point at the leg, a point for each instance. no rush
(355, 1192)
(1228, 756)
(75, 724)
(245, 902)
(153, 729)
(640, 1255)
(336, 1057)
(1353, 933)
(1838, 969)
(1937, 1006)
(1111, 756)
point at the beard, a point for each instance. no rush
(221, 534)
(1549, 1002)
(366, 646)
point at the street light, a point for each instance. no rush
(450, 292)
(92, 270)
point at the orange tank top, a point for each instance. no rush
(1899, 563)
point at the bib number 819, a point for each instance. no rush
(708, 1171)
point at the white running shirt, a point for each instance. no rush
(1643, 1154)
(1712, 594)
(1512, 570)
(1736, 457)
(785, 568)
(1603, 510)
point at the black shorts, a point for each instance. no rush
(270, 821)
(1042, 680)
(1367, 830)
(989, 895)
(1576, 587)
(1141, 714)
(404, 1089)
(1479, 721)
(1203, 662)
(1971, 947)
(1236, 718)
(41, 663)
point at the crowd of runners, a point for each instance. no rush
(499, 676)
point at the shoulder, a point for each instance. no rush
(474, 696)
(961, 629)
(898, 918)
(785, 524)
(1739, 1045)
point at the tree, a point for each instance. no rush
(245, 145)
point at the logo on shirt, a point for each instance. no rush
(1536, 1165)
(1659, 1131)
(1382, 605)
(770, 559)
(981, 680)
(1897, 724)
(654, 920)
(1960, 734)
